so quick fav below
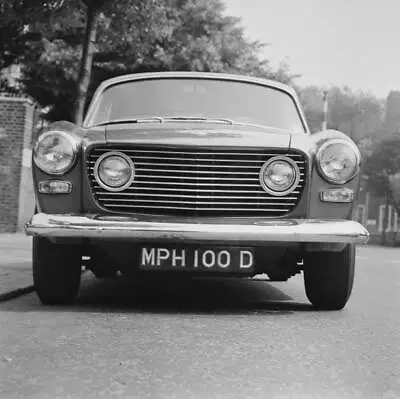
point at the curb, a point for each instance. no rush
(13, 294)
(16, 293)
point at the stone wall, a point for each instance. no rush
(16, 188)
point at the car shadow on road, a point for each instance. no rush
(171, 296)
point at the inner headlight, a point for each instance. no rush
(55, 152)
(114, 171)
(338, 161)
(279, 176)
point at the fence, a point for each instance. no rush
(372, 214)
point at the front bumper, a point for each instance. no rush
(164, 229)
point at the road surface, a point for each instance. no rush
(207, 339)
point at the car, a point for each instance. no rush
(192, 174)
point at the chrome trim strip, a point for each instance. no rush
(237, 181)
(200, 192)
(198, 208)
(191, 184)
(195, 196)
(184, 199)
(139, 175)
(214, 165)
(152, 228)
(151, 158)
(213, 172)
(240, 201)
(199, 152)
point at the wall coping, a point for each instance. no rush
(17, 98)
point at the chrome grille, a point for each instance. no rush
(196, 182)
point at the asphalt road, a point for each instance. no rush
(207, 339)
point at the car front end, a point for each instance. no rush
(210, 194)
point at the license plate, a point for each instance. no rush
(214, 259)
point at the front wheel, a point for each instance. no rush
(329, 277)
(56, 271)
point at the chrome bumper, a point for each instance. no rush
(152, 228)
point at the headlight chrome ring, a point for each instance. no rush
(129, 162)
(319, 160)
(294, 181)
(73, 142)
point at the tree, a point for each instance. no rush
(136, 36)
(382, 167)
(392, 114)
(93, 8)
(51, 76)
(311, 99)
(357, 114)
(18, 26)
(25, 21)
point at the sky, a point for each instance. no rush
(329, 42)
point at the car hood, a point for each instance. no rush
(197, 135)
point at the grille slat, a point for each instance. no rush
(192, 154)
(198, 202)
(198, 164)
(183, 159)
(151, 183)
(186, 193)
(208, 178)
(180, 177)
(191, 208)
(132, 190)
(196, 182)
(188, 170)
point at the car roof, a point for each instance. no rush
(198, 75)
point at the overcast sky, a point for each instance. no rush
(340, 42)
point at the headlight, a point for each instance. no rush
(114, 171)
(55, 152)
(279, 176)
(338, 161)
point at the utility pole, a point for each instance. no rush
(325, 99)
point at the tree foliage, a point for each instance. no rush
(357, 114)
(133, 36)
(382, 167)
(19, 26)
(392, 115)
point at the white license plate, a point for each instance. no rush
(221, 259)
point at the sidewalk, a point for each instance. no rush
(15, 264)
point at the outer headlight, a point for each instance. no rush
(338, 161)
(279, 176)
(114, 171)
(55, 152)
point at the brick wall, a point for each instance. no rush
(16, 190)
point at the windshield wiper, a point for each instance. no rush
(198, 118)
(205, 119)
(162, 119)
(211, 120)
(133, 120)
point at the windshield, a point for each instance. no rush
(240, 102)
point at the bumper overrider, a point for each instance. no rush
(163, 229)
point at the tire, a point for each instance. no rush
(56, 271)
(329, 277)
(276, 276)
